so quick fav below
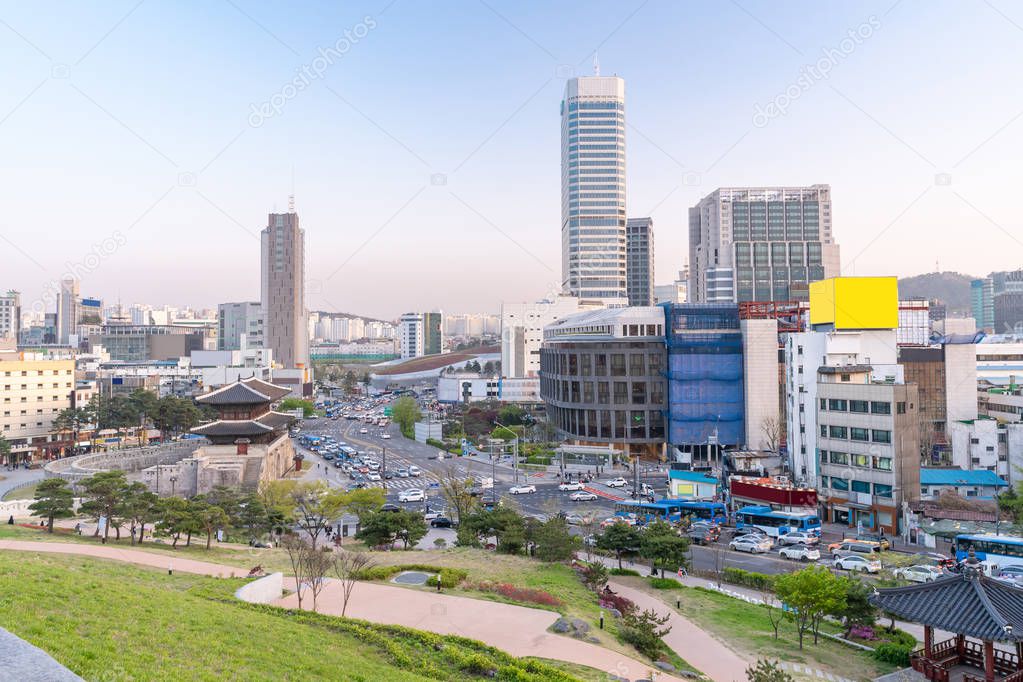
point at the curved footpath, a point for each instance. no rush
(518, 630)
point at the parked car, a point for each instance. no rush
(616, 483)
(441, 522)
(857, 562)
(412, 495)
(877, 538)
(582, 496)
(570, 485)
(857, 546)
(751, 544)
(918, 574)
(574, 519)
(800, 552)
(799, 537)
(521, 489)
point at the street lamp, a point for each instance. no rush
(173, 480)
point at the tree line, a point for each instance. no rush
(173, 415)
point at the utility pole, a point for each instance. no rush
(635, 477)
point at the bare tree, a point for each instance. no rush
(348, 566)
(773, 430)
(295, 546)
(774, 614)
(457, 491)
(315, 564)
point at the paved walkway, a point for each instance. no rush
(518, 630)
(698, 647)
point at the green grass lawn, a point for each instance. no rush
(26, 493)
(110, 621)
(746, 628)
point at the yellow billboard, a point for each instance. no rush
(855, 302)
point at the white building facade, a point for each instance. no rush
(522, 332)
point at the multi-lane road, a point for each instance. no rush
(436, 465)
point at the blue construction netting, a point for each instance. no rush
(706, 398)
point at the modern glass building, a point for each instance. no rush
(593, 249)
(639, 247)
(760, 244)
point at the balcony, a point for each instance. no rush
(963, 661)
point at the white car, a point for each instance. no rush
(918, 574)
(386, 436)
(857, 562)
(412, 495)
(577, 519)
(570, 486)
(363, 430)
(582, 496)
(415, 471)
(798, 537)
(751, 544)
(616, 483)
(800, 552)
(373, 476)
(434, 514)
(521, 489)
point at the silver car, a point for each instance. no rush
(751, 544)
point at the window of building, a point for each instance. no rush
(636, 363)
(883, 463)
(881, 436)
(856, 433)
(824, 403)
(884, 490)
(600, 365)
(603, 393)
(859, 406)
(844, 377)
(880, 407)
(638, 392)
(587, 392)
(861, 487)
(900, 408)
(585, 365)
(617, 365)
(837, 432)
(838, 483)
(840, 458)
(824, 430)
(621, 392)
(862, 461)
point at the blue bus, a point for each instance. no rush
(1003, 550)
(672, 511)
(775, 523)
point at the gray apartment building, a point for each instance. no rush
(285, 330)
(868, 448)
(760, 244)
(236, 319)
(639, 254)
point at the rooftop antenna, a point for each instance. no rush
(596, 64)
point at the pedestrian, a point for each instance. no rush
(10, 520)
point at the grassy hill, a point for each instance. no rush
(111, 621)
(951, 287)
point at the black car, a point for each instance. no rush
(699, 536)
(338, 464)
(390, 507)
(441, 522)
(746, 530)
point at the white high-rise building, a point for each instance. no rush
(760, 244)
(68, 310)
(593, 252)
(522, 332)
(410, 335)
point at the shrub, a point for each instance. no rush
(437, 443)
(448, 577)
(896, 654)
(894, 636)
(862, 632)
(617, 602)
(757, 581)
(664, 583)
(624, 571)
(526, 594)
(644, 631)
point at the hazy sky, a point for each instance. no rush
(135, 146)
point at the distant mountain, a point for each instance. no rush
(951, 287)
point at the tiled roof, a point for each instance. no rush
(275, 420)
(237, 393)
(266, 388)
(244, 427)
(972, 605)
(960, 477)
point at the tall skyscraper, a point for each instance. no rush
(639, 249)
(760, 244)
(68, 303)
(285, 330)
(593, 258)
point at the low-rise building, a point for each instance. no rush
(34, 389)
(974, 485)
(691, 485)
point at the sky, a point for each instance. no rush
(142, 144)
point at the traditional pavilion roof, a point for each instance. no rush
(273, 390)
(237, 393)
(970, 604)
(275, 420)
(231, 427)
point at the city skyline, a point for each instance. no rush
(146, 186)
